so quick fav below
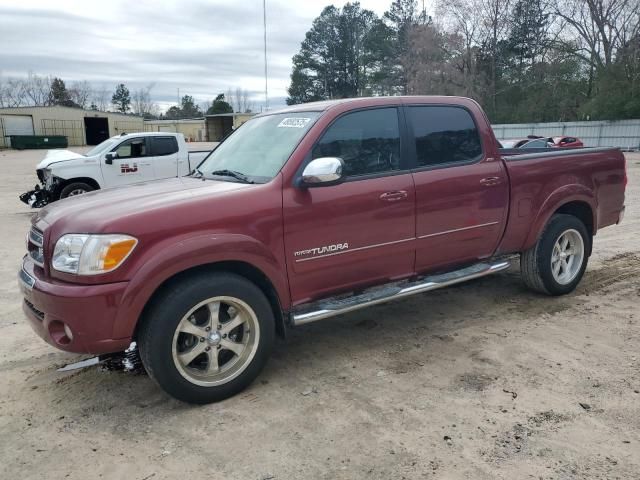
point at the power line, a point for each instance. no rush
(266, 87)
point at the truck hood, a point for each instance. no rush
(97, 211)
(54, 156)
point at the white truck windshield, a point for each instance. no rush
(103, 147)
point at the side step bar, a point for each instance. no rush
(339, 305)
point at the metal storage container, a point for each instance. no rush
(21, 142)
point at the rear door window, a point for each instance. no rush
(540, 143)
(444, 135)
(368, 142)
(163, 146)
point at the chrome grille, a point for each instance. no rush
(36, 237)
(35, 247)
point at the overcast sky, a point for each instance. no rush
(201, 47)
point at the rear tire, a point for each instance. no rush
(556, 263)
(207, 337)
(75, 188)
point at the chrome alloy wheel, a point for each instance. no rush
(567, 257)
(215, 341)
(76, 191)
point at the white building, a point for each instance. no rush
(81, 127)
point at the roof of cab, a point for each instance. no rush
(151, 134)
(363, 102)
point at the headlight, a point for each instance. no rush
(91, 254)
(47, 177)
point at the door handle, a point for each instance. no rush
(490, 181)
(394, 196)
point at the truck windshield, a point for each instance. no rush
(259, 148)
(102, 147)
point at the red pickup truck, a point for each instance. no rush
(302, 214)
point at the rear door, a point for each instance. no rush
(462, 192)
(131, 164)
(164, 156)
(360, 232)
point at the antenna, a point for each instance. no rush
(264, 21)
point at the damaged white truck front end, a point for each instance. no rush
(121, 160)
(55, 169)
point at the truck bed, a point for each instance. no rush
(542, 181)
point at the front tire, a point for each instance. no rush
(556, 263)
(75, 188)
(207, 337)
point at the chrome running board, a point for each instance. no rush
(338, 305)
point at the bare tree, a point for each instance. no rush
(464, 39)
(80, 93)
(231, 99)
(602, 27)
(239, 100)
(3, 93)
(37, 89)
(246, 104)
(494, 15)
(101, 98)
(142, 104)
(427, 64)
(15, 93)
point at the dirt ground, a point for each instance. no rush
(485, 380)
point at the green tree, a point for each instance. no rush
(59, 95)
(618, 86)
(219, 105)
(188, 107)
(173, 113)
(336, 58)
(121, 99)
(400, 18)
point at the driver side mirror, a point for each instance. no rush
(109, 157)
(323, 171)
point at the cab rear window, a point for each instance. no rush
(163, 146)
(444, 135)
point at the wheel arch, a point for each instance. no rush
(63, 182)
(241, 268)
(573, 200)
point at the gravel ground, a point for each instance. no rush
(481, 381)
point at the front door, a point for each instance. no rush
(131, 163)
(360, 232)
(164, 156)
(461, 192)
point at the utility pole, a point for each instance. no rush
(264, 21)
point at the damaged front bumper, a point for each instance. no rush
(36, 198)
(42, 194)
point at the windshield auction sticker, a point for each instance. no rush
(294, 122)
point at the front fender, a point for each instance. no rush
(174, 256)
(81, 168)
(559, 197)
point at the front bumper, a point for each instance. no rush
(74, 318)
(36, 198)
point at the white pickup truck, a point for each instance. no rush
(121, 160)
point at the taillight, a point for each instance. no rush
(624, 183)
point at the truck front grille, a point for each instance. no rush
(35, 247)
(36, 237)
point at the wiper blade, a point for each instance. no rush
(233, 174)
(196, 171)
